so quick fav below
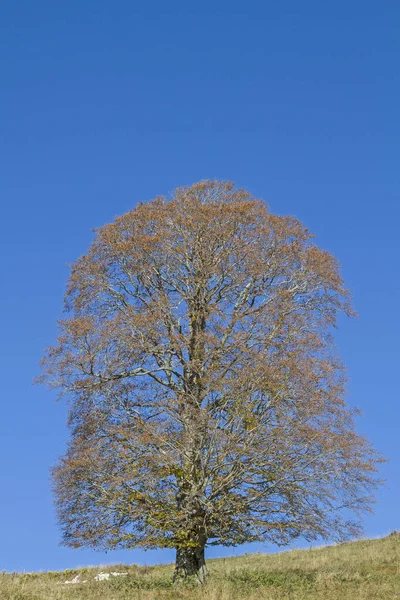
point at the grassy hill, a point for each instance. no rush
(364, 570)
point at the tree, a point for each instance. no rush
(206, 400)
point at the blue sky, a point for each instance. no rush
(105, 104)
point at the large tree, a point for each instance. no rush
(206, 400)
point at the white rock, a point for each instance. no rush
(99, 577)
(102, 577)
(74, 580)
(106, 576)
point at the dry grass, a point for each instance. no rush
(365, 570)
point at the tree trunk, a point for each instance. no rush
(190, 562)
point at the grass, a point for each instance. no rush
(362, 570)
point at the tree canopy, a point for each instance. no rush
(207, 402)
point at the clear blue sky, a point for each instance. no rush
(104, 104)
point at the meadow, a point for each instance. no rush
(360, 570)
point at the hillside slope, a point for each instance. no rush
(363, 570)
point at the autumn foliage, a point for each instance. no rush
(206, 400)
